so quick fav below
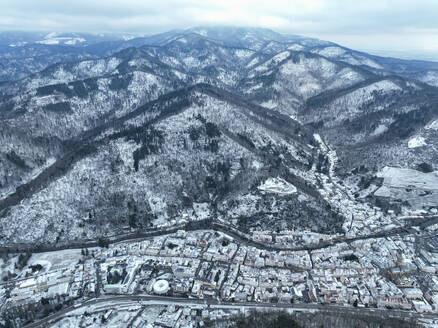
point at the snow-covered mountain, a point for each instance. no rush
(164, 158)
(247, 125)
(286, 80)
(24, 53)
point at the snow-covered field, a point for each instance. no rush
(418, 188)
(277, 186)
(409, 178)
(56, 260)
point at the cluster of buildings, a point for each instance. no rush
(51, 282)
(139, 315)
(396, 271)
(289, 239)
(208, 264)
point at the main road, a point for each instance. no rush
(113, 301)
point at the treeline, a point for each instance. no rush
(258, 320)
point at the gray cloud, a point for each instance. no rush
(404, 26)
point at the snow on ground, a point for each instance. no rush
(331, 154)
(35, 172)
(202, 32)
(273, 61)
(419, 189)
(191, 61)
(243, 53)
(277, 186)
(294, 117)
(255, 87)
(7, 264)
(55, 260)
(342, 54)
(408, 178)
(429, 77)
(18, 44)
(227, 77)
(416, 142)
(381, 128)
(269, 104)
(385, 85)
(48, 42)
(202, 210)
(348, 105)
(128, 37)
(256, 165)
(347, 75)
(296, 47)
(331, 51)
(61, 40)
(73, 41)
(51, 35)
(370, 63)
(432, 126)
(253, 62)
(115, 315)
(179, 74)
(321, 142)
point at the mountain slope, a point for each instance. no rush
(120, 143)
(383, 111)
(196, 54)
(31, 121)
(380, 123)
(287, 79)
(190, 158)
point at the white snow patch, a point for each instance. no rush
(202, 210)
(416, 142)
(51, 35)
(242, 53)
(191, 61)
(296, 47)
(408, 178)
(49, 41)
(73, 41)
(319, 140)
(277, 186)
(179, 74)
(273, 61)
(429, 77)
(256, 165)
(57, 259)
(255, 87)
(432, 126)
(381, 128)
(269, 104)
(332, 51)
(294, 117)
(18, 44)
(253, 62)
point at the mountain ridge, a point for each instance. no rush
(190, 125)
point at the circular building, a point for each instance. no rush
(161, 287)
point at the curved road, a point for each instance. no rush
(213, 224)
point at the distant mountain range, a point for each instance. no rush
(102, 134)
(24, 53)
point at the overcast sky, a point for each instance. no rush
(403, 27)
